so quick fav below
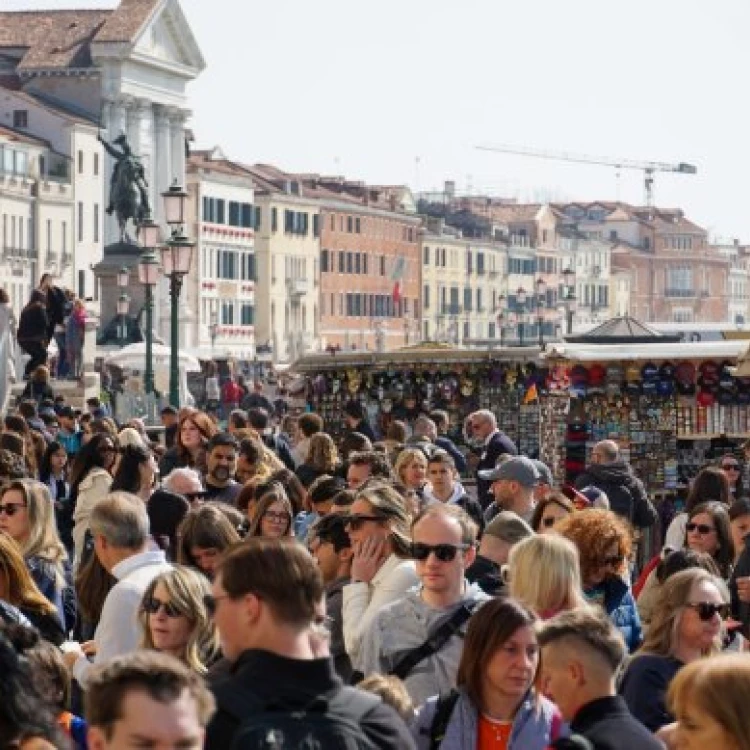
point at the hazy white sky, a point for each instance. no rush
(400, 91)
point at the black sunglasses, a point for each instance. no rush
(209, 602)
(706, 610)
(152, 605)
(355, 521)
(10, 509)
(730, 467)
(443, 552)
(701, 528)
(610, 562)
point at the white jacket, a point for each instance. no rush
(93, 488)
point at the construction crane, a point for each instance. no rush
(649, 167)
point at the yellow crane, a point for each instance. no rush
(649, 168)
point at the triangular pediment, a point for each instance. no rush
(168, 39)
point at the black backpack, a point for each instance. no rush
(328, 722)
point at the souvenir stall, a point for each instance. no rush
(404, 383)
(672, 407)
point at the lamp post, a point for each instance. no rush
(176, 259)
(570, 297)
(149, 234)
(213, 329)
(122, 304)
(521, 299)
(541, 290)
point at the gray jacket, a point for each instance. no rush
(537, 724)
(406, 624)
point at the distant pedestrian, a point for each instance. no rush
(32, 331)
(75, 331)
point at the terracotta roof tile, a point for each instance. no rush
(126, 20)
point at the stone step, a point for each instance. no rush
(75, 393)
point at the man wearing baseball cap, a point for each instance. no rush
(546, 483)
(513, 485)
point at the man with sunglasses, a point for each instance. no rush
(419, 637)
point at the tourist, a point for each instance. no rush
(512, 485)
(308, 424)
(559, 588)
(69, 434)
(356, 421)
(273, 514)
(604, 542)
(204, 534)
(194, 431)
(495, 703)
(75, 332)
(550, 511)
(174, 620)
(546, 484)
(267, 595)
(378, 526)
(730, 465)
(410, 469)
(443, 547)
(582, 653)
(90, 480)
(500, 536)
(221, 465)
(136, 471)
(256, 399)
(610, 472)
(320, 500)
(443, 486)
(684, 628)
(39, 386)
(260, 421)
(322, 458)
(739, 519)
(442, 423)
(32, 333)
(148, 696)
(364, 465)
(119, 525)
(708, 530)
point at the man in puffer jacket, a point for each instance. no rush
(626, 493)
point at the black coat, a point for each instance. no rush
(33, 323)
(486, 573)
(499, 445)
(296, 683)
(607, 723)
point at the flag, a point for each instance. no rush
(531, 394)
(397, 274)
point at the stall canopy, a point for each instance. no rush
(623, 330)
(644, 352)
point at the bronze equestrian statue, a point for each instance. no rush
(128, 188)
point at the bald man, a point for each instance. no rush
(610, 472)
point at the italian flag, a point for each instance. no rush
(397, 274)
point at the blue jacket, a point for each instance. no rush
(622, 610)
(533, 727)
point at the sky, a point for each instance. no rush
(402, 92)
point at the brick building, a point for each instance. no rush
(370, 270)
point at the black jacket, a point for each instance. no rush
(458, 458)
(364, 428)
(626, 493)
(741, 610)
(33, 323)
(281, 448)
(607, 723)
(486, 573)
(644, 686)
(499, 445)
(296, 683)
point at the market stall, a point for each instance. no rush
(404, 383)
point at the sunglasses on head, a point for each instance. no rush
(355, 521)
(701, 528)
(706, 610)
(443, 552)
(152, 605)
(10, 509)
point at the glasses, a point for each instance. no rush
(190, 496)
(549, 522)
(152, 605)
(210, 601)
(706, 610)
(355, 521)
(10, 509)
(701, 528)
(280, 516)
(730, 467)
(614, 561)
(443, 552)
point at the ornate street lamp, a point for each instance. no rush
(148, 275)
(122, 305)
(541, 290)
(176, 259)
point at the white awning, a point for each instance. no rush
(645, 352)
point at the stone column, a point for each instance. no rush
(163, 175)
(177, 143)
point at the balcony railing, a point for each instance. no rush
(681, 293)
(298, 287)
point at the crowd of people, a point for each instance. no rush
(248, 581)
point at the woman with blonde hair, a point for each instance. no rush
(709, 700)
(17, 587)
(174, 619)
(411, 468)
(559, 588)
(27, 516)
(687, 626)
(322, 458)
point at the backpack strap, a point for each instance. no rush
(443, 712)
(434, 642)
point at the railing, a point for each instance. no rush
(451, 309)
(298, 287)
(681, 293)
